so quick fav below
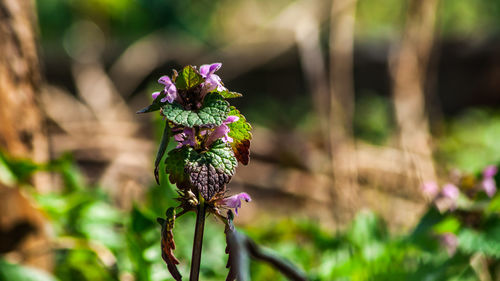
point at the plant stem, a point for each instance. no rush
(198, 241)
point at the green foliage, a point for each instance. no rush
(174, 165)
(479, 131)
(486, 241)
(13, 272)
(213, 112)
(372, 119)
(101, 242)
(188, 78)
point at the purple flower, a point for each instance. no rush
(234, 201)
(450, 242)
(448, 198)
(430, 189)
(186, 138)
(450, 191)
(170, 90)
(212, 81)
(490, 171)
(489, 186)
(222, 131)
(488, 183)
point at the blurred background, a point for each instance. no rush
(354, 105)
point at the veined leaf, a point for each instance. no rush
(210, 171)
(188, 78)
(175, 162)
(213, 112)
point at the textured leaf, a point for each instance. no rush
(230, 95)
(176, 160)
(156, 105)
(161, 150)
(168, 244)
(240, 132)
(213, 112)
(210, 171)
(188, 78)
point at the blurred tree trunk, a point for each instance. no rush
(346, 190)
(21, 132)
(408, 72)
(307, 35)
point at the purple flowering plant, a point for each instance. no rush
(211, 138)
(464, 214)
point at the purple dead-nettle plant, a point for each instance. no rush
(211, 138)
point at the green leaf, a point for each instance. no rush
(14, 272)
(472, 241)
(240, 132)
(448, 225)
(176, 160)
(210, 171)
(188, 78)
(213, 112)
(230, 95)
(161, 150)
(156, 105)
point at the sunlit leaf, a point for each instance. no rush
(240, 132)
(213, 112)
(188, 78)
(230, 95)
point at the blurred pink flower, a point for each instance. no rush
(450, 191)
(450, 242)
(488, 183)
(447, 198)
(430, 189)
(490, 171)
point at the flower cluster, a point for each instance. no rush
(447, 198)
(211, 136)
(461, 200)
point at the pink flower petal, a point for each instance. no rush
(450, 242)
(234, 201)
(450, 191)
(155, 95)
(489, 186)
(490, 171)
(430, 189)
(165, 80)
(231, 119)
